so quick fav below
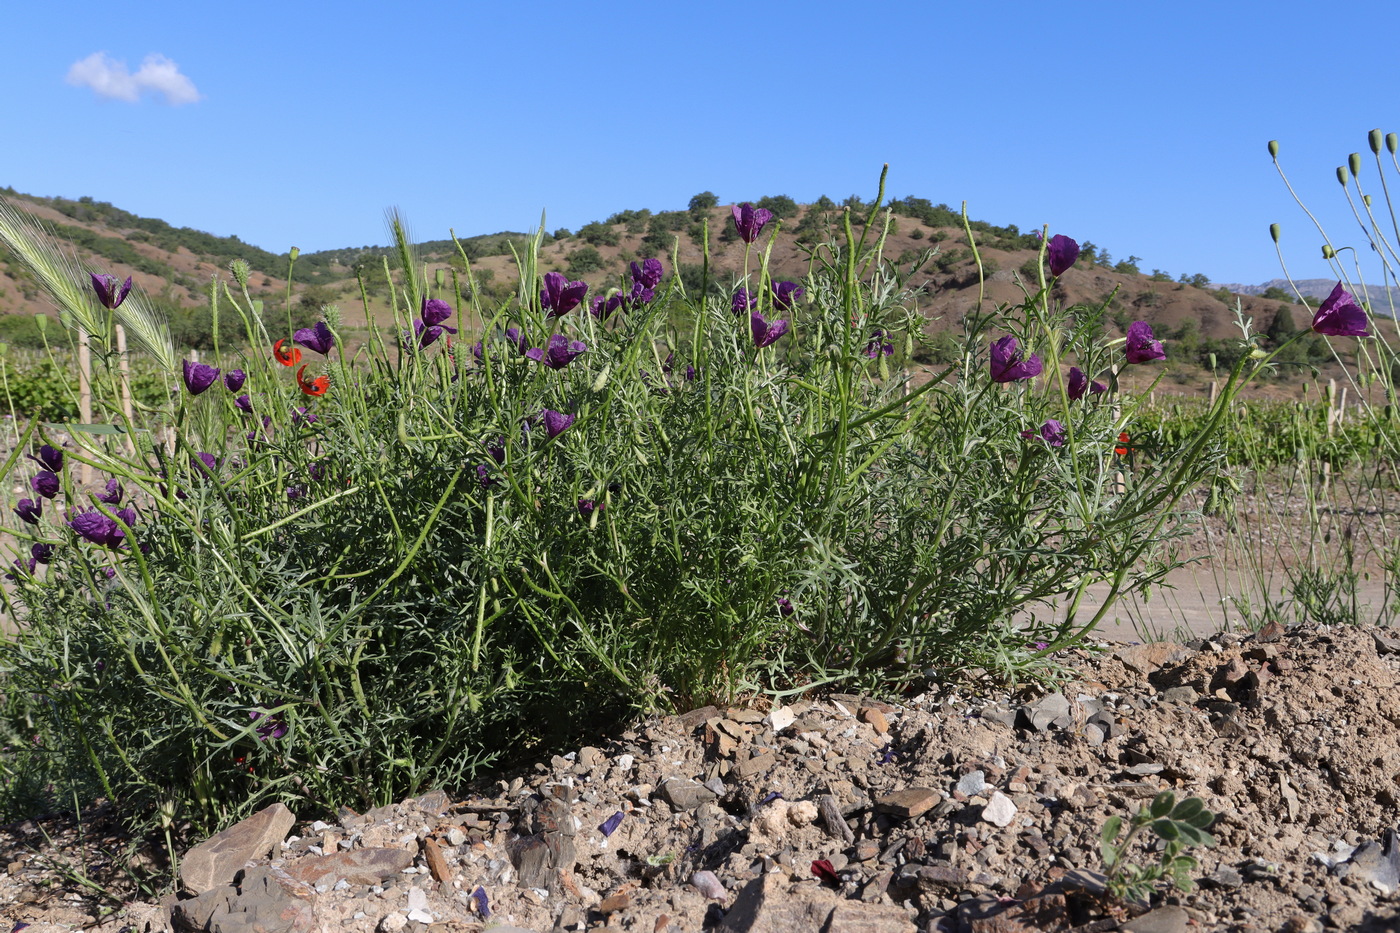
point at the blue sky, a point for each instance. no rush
(1141, 127)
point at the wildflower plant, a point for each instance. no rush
(394, 567)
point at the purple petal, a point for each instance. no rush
(435, 311)
(611, 824)
(1062, 253)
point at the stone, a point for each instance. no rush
(1053, 709)
(1169, 919)
(264, 901)
(972, 784)
(858, 917)
(434, 802)
(999, 811)
(707, 884)
(1386, 644)
(437, 864)
(876, 719)
(909, 803)
(756, 765)
(214, 862)
(766, 905)
(357, 866)
(590, 757)
(1186, 695)
(781, 718)
(685, 794)
(1149, 658)
(1378, 864)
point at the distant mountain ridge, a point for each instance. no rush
(1314, 288)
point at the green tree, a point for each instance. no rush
(781, 205)
(584, 260)
(703, 202)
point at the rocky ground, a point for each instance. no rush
(951, 812)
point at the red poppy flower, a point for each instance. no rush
(1122, 448)
(317, 386)
(286, 357)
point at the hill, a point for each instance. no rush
(175, 264)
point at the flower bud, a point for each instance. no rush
(1354, 160)
(1342, 175)
(41, 321)
(1273, 231)
(1374, 138)
(1327, 251)
(295, 253)
(1392, 142)
(439, 276)
(1273, 148)
(1367, 199)
(239, 269)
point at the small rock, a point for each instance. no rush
(437, 864)
(357, 866)
(1053, 709)
(757, 765)
(780, 718)
(908, 803)
(1169, 919)
(802, 813)
(1223, 877)
(876, 719)
(708, 884)
(393, 922)
(1378, 864)
(685, 794)
(1186, 695)
(999, 811)
(972, 784)
(590, 757)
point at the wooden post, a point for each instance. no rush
(124, 370)
(84, 393)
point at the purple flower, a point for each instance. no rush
(49, 458)
(483, 476)
(45, 484)
(561, 352)
(434, 312)
(785, 607)
(611, 824)
(1079, 384)
(30, 510)
(295, 492)
(272, 728)
(24, 566)
(586, 507)
(785, 293)
(318, 338)
(483, 906)
(555, 423)
(749, 220)
(603, 308)
(41, 553)
(316, 470)
(1339, 315)
(113, 495)
(107, 291)
(1009, 364)
(764, 333)
(100, 529)
(1140, 347)
(516, 339)
(244, 403)
(1062, 253)
(300, 416)
(234, 379)
(204, 463)
(742, 301)
(560, 296)
(879, 345)
(199, 376)
(1051, 432)
(497, 450)
(427, 334)
(648, 274)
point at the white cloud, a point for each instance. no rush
(110, 78)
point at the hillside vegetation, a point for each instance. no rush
(175, 266)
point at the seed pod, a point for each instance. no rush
(1354, 160)
(1273, 148)
(1392, 142)
(240, 270)
(294, 253)
(1274, 231)
(1342, 175)
(1374, 138)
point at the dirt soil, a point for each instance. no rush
(956, 810)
